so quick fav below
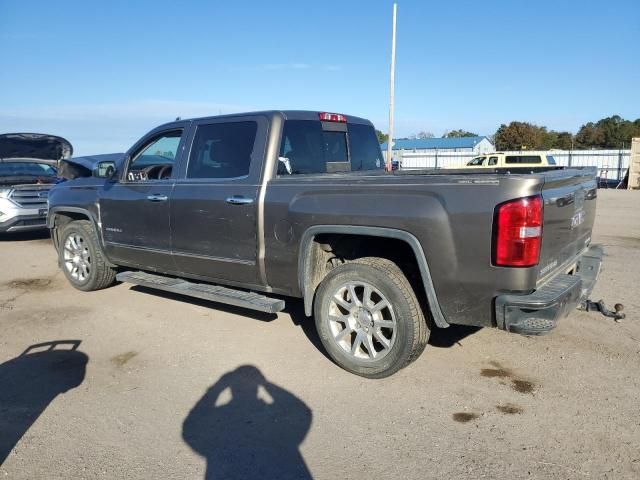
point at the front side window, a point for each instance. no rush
(154, 160)
(493, 161)
(513, 159)
(476, 162)
(551, 160)
(222, 150)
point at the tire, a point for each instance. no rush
(81, 258)
(366, 337)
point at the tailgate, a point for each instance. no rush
(569, 212)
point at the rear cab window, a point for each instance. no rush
(317, 147)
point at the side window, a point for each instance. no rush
(476, 162)
(308, 148)
(551, 160)
(155, 159)
(493, 161)
(222, 150)
(523, 159)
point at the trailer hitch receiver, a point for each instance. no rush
(599, 306)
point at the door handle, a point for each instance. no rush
(236, 200)
(157, 198)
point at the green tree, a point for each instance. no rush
(610, 132)
(521, 136)
(564, 141)
(460, 133)
(382, 137)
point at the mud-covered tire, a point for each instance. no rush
(384, 282)
(81, 259)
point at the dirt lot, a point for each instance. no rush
(162, 387)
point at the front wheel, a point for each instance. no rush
(369, 318)
(81, 258)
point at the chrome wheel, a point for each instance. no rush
(77, 257)
(362, 321)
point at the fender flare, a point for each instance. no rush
(51, 216)
(61, 210)
(304, 261)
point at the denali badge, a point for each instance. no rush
(577, 219)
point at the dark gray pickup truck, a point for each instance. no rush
(244, 209)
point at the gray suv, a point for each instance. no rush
(27, 173)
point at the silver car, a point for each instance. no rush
(28, 170)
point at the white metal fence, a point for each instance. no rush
(612, 164)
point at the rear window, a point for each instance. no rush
(551, 160)
(523, 159)
(306, 149)
(222, 150)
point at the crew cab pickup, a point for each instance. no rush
(253, 209)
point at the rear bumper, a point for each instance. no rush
(539, 312)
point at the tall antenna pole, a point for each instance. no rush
(392, 81)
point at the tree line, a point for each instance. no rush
(607, 133)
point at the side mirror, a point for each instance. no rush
(106, 169)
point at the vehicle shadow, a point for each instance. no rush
(254, 435)
(31, 381)
(448, 337)
(245, 312)
(295, 309)
(25, 236)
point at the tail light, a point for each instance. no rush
(332, 117)
(518, 233)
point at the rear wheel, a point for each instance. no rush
(369, 318)
(81, 258)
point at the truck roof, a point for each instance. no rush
(286, 114)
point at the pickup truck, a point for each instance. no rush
(510, 160)
(253, 209)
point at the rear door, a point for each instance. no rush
(214, 202)
(569, 213)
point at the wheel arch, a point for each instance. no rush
(60, 216)
(310, 276)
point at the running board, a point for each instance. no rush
(215, 293)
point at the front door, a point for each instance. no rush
(214, 205)
(135, 210)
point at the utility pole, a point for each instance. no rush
(392, 90)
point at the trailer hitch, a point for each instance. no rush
(599, 306)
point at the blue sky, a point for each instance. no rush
(103, 73)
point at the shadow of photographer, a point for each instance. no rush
(249, 428)
(31, 381)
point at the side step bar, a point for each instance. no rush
(215, 293)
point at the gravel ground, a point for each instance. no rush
(163, 387)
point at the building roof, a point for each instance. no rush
(434, 143)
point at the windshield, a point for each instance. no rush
(476, 162)
(26, 169)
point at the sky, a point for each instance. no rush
(102, 74)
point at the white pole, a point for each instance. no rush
(392, 88)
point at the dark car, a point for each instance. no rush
(28, 170)
(247, 208)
